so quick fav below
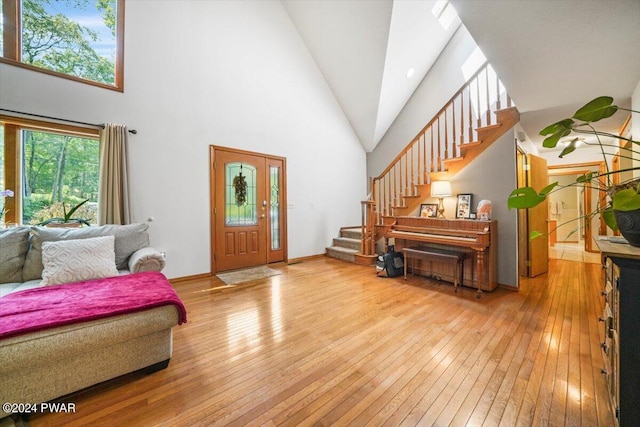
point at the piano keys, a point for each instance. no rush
(478, 238)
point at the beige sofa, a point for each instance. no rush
(21, 255)
(47, 364)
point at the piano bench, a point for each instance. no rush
(437, 255)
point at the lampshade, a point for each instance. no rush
(440, 189)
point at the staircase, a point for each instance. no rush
(476, 116)
(347, 246)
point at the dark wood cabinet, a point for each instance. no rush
(620, 336)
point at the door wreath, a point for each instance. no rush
(240, 186)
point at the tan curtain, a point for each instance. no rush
(114, 204)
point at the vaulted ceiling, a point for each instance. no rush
(365, 48)
(552, 55)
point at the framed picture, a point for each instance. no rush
(428, 210)
(463, 208)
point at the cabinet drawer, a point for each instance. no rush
(607, 322)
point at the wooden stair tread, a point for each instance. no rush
(454, 159)
(489, 127)
(365, 259)
(468, 145)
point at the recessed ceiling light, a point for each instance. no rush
(410, 72)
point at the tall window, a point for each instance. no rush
(2, 184)
(50, 168)
(78, 39)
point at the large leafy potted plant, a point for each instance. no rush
(622, 211)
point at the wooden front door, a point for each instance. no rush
(248, 209)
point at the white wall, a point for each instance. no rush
(486, 180)
(227, 73)
(441, 82)
(583, 154)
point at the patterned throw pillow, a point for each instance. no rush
(76, 260)
(128, 239)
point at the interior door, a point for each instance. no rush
(538, 253)
(248, 198)
(523, 224)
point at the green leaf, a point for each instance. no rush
(535, 235)
(610, 218)
(67, 215)
(546, 190)
(524, 198)
(626, 200)
(572, 232)
(569, 148)
(585, 178)
(566, 124)
(597, 109)
(556, 131)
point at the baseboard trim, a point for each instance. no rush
(177, 280)
(304, 258)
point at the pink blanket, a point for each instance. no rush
(51, 306)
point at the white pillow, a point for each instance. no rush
(67, 261)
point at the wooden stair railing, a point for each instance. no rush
(367, 245)
(442, 146)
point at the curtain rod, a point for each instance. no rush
(133, 131)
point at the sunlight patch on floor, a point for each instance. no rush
(573, 252)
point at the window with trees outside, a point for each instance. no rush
(50, 168)
(82, 40)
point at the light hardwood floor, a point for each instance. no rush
(329, 343)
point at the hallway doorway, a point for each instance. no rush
(571, 210)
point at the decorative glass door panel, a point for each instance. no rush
(277, 210)
(274, 217)
(241, 194)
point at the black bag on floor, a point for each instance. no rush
(390, 264)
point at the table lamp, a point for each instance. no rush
(440, 189)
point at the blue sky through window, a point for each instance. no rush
(86, 14)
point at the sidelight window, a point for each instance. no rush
(274, 183)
